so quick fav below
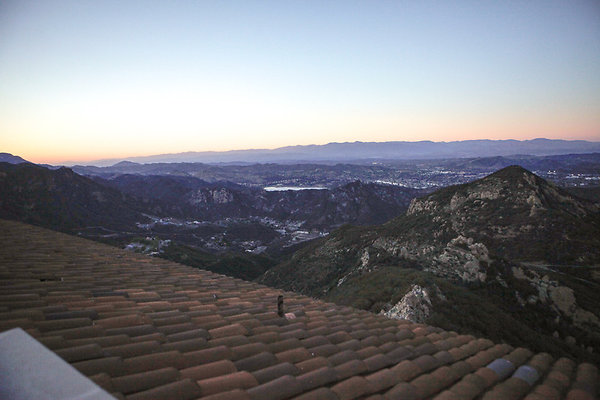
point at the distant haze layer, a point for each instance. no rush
(372, 151)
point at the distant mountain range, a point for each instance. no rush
(361, 151)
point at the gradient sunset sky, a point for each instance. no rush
(84, 80)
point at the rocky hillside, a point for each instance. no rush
(356, 202)
(63, 200)
(526, 250)
(516, 215)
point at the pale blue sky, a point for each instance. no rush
(81, 80)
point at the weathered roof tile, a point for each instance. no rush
(179, 390)
(353, 387)
(144, 380)
(275, 371)
(209, 370)
(223, 383)
(278, 389)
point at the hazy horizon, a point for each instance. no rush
(84, 81)
(145, 158)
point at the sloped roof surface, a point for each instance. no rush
(146, 328)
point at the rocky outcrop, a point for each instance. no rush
(560, 299)
(415, 306)
(464, 259)
(215, 196)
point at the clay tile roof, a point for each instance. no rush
(144, 380)
(275, 371)
(256, 362)
(322, 393)
(312, 364)
(223, 383)
(351, 368)
(146, 328)
(382, 379)
(278, 389)
(183, 389)
(352, 388)
(402, 391)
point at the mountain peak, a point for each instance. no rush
(11, 159)
(515, 174)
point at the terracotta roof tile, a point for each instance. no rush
(342, 357)
(55, 342)
(586, 382)
(367, 352)
(209, 370)
(314, 341)
(469, 387)
(426, 363)
(80, 353)
(176, 328)
(448, 395)
(278, 389)
(132, 349)
(377, 362)
(519, 356)
(224, 383)
(247, 350)
(80, 332)
(265, 337)
(351, 388)
(489, 377)
(236, 394)
(156, 336)
(113, 366)
(103, 341)
(350, 368)
(186, 345)
(427, 385)
(400, 353)
(152, 361)
(171, 320)
(286, 344)
(407, 370)
(275, 371)
(256, 362)
(229, 341)
(545, 392)
(103, 380)
(144, 380)
(59, 324)
(382, 379)
(324, 350)
(351, 344)
(318, 394)
(295, 355)
(402, 391)
(317, 378)
(312, 364)
(179, 390)
(138, 330)
(512, 388)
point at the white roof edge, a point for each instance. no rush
(31, 371)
